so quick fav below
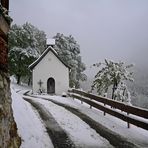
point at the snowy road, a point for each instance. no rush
(78, 131)
(114, 138)
(59, 137)
(30, 127)
(80, 125)
(33, 129)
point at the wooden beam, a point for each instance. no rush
(123, 107)
(113, 112)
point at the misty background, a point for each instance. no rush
(112, 29)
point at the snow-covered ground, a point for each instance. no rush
(135, 134)
(33, 132)
(30, 127)
(80, 133)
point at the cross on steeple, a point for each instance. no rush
(40, 83)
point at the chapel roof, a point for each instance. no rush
(49, 48)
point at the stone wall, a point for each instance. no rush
(8, 129)
(3, 55)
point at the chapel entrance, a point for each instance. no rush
(50, 86)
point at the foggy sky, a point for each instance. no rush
(113, 29)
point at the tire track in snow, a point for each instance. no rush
(82, 135)
(114, 138)
(58, 136)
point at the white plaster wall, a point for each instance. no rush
(51, 66)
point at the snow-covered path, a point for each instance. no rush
(33, 130)
(59, 137)
(30, 127)
(79, 132)
(134, 134)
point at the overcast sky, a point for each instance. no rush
(114, 29)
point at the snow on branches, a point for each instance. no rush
(26, 43)
(113, 74)
(69, 51)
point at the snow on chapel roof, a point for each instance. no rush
(31, 66)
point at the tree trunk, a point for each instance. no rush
(18, 79)
(114, 88)
(29, 80)
(113, 91)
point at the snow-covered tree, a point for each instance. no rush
(19, 59)
(122, 94)
(69, 51)
(26, 43)
(27, 36)
(113, 74)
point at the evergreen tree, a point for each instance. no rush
(26, 43)
(69, 51)
(113, 74)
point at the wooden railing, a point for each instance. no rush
(130, 114)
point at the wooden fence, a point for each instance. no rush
(130, 114)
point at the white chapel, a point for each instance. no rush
(49, 73)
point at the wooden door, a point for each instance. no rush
(51, 86)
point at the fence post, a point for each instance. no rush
(81, 96)
(72, 94)
(90, 105)
(90, 99)
(105, 95)
(104, 111)
(128, 124)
